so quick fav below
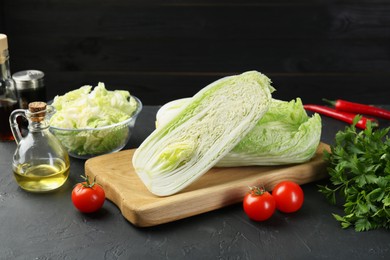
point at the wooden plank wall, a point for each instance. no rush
(163, 50)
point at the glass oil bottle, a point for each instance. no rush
(40, 162)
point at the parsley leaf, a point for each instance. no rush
(359, 169)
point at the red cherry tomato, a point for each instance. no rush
(88, 197)
(288, 196)
(259, 204)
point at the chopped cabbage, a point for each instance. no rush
(86, 111)
(203, 132)
(83, 108)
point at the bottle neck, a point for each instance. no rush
(5, 71)
(38, 126)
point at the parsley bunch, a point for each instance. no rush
(359, 169)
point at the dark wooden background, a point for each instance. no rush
(170, 49)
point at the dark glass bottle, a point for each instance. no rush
(8, 94)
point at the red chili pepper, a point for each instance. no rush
(341, 115)
(358, 108)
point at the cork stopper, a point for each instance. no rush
(35, 108)
(3, 42)
(3, 47)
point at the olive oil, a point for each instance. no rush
(43, 176)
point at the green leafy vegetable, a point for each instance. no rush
(82, 118)
(284, 135)
(359, 168)
(83, 108)
(203, 132)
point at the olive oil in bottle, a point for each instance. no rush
(40, 162)
(44, 176)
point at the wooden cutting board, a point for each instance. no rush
(216, 189)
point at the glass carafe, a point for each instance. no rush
(40, 162)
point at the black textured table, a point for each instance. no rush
(46, 226)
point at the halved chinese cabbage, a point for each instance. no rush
(284, 135)
(209, 126)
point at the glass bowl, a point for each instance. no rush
(84, 143)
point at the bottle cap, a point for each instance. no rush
(29, 79)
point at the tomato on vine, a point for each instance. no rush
(88, 197)
(288, 196)
(259, 204)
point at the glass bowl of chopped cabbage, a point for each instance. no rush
(90, 123)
